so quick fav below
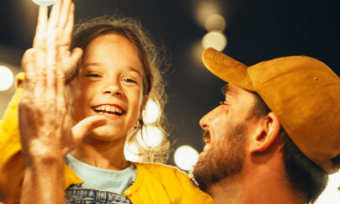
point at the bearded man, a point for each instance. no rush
(276, 137)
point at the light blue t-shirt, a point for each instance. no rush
(102, 179)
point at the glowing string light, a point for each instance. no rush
(131, 152)
(152, 136)
(6, 78)
(44, 2)
(331, 195)
(216, 40)
(151, 112)
(215, 22)
(186, 157)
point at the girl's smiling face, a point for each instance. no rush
(110, 83)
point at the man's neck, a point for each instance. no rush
(264, 186)
(227, 191)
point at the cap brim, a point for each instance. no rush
(227, 69)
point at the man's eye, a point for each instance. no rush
(92, 75)
(223, 103)
(129, 80)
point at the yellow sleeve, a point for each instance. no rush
(194, 194)
(12, 163)
(157, 183)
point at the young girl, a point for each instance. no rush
(115, 77)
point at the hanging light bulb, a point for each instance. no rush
(44, 2)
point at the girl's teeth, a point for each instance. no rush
(108, 114)
(109, 110)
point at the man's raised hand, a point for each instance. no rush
(61, 21)
(44, 123)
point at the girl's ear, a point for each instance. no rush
(267, 132)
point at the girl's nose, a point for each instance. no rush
(112, 89)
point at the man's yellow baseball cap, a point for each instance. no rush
(302, 91)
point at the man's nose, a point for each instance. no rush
(204, 122)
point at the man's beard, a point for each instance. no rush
(223, 160)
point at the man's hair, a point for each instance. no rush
(302, 173)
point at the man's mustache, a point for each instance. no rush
(206, 136)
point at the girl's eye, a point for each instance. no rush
(92, 75)
(129, 80)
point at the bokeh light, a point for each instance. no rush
(197, 52)
(152, 136)
(215, 22)
(131, 152)
(215, 39)
(6, 78)
(186, 157)
(44, 2)
(151, 112)
(204, 9)
(331, 195)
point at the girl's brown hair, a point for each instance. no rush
(152, 56)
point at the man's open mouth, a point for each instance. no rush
(108, 110)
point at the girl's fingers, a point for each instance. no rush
(51, 65)
(64, 15)
(84, 127)
(41, 27)
(55, 15)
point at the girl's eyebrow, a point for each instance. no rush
(135, 70)
(99, 64)
(92, 64)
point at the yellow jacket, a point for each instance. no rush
(155, 183)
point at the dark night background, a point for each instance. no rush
(257, 30)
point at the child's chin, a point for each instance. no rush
(107, 134)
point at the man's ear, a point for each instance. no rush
(268, 131)
(142, 107)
